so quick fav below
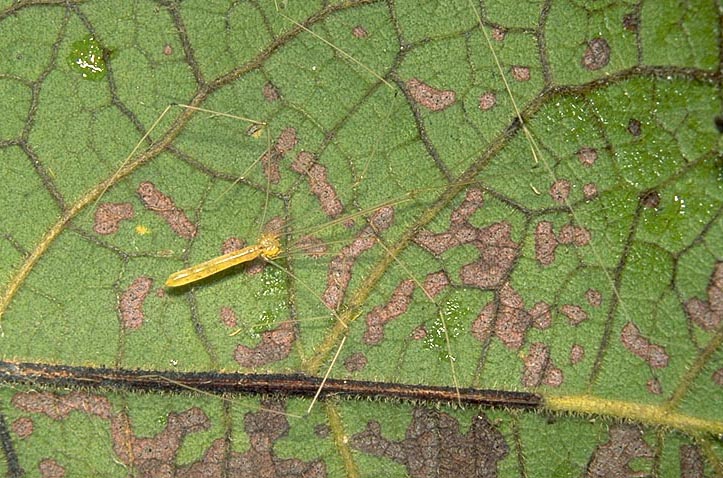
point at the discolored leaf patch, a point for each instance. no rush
(434, 446)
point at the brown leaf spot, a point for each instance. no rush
(545, 243)
(130, 306)
(634, 127)
(613, 458)
(487, 100)
(356, 362)
(539, 368)
(653, 385)
(382, 314)
(708, 314)
(650, 199)
(435, 283)
(434, 446)
(23, 427)
(575, 314)
(50, 468)
(482, 325)
(228, 317)
(275, 345)
(589, 191)
(541, 315)
(155, 456)
(578, 236)
(636, 343)
(271, 92)
(339, 274)
(512, 318)
(691, 462)
(154, 200)
(594, 297)
(429, 97)
(419, 333)
(271, 160)
(359, 32)
(497, 250)
(560, 190)
(498, 34)
(311, 246)
(168, 50)
(597, 54)
(717, 377)
(521, 73)
(577, 354)
(587, 156)
(58, 407)
(109, 215)
(497, 256)
(631, 22)
(305, 164)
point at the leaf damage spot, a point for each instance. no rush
(577, 354)
(635, 127)
(521, 73)
(271, 92)
(50, 468)
(546, 242)
(597, 54)
(130, 305)
(434, 446)
(58, 407)
(167, 50)
(311, 246)
(587, 156)
(691, 462)
(717, 377)
(539, 368)
(429, 97)
(642, 347)
(275, 345)
(650, 200)
(157, 455)
(359, 32)
(306, 164)
(574, 313)
(339, 274)
(593, 297)
(509, 320)
(228, 317)
(108, 216)
(560, 191)
(271, 159)
(497, 251)
(589, 191)
(154, 200)
(631, 22)
(654, 386)
(356, 362)
(613, 458)
(498, 34)
(487, 100)
(23, 427)
(708, 314)
(382, 314)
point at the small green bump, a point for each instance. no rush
(87, 57)
(451, 315)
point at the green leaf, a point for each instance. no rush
(526, 198)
